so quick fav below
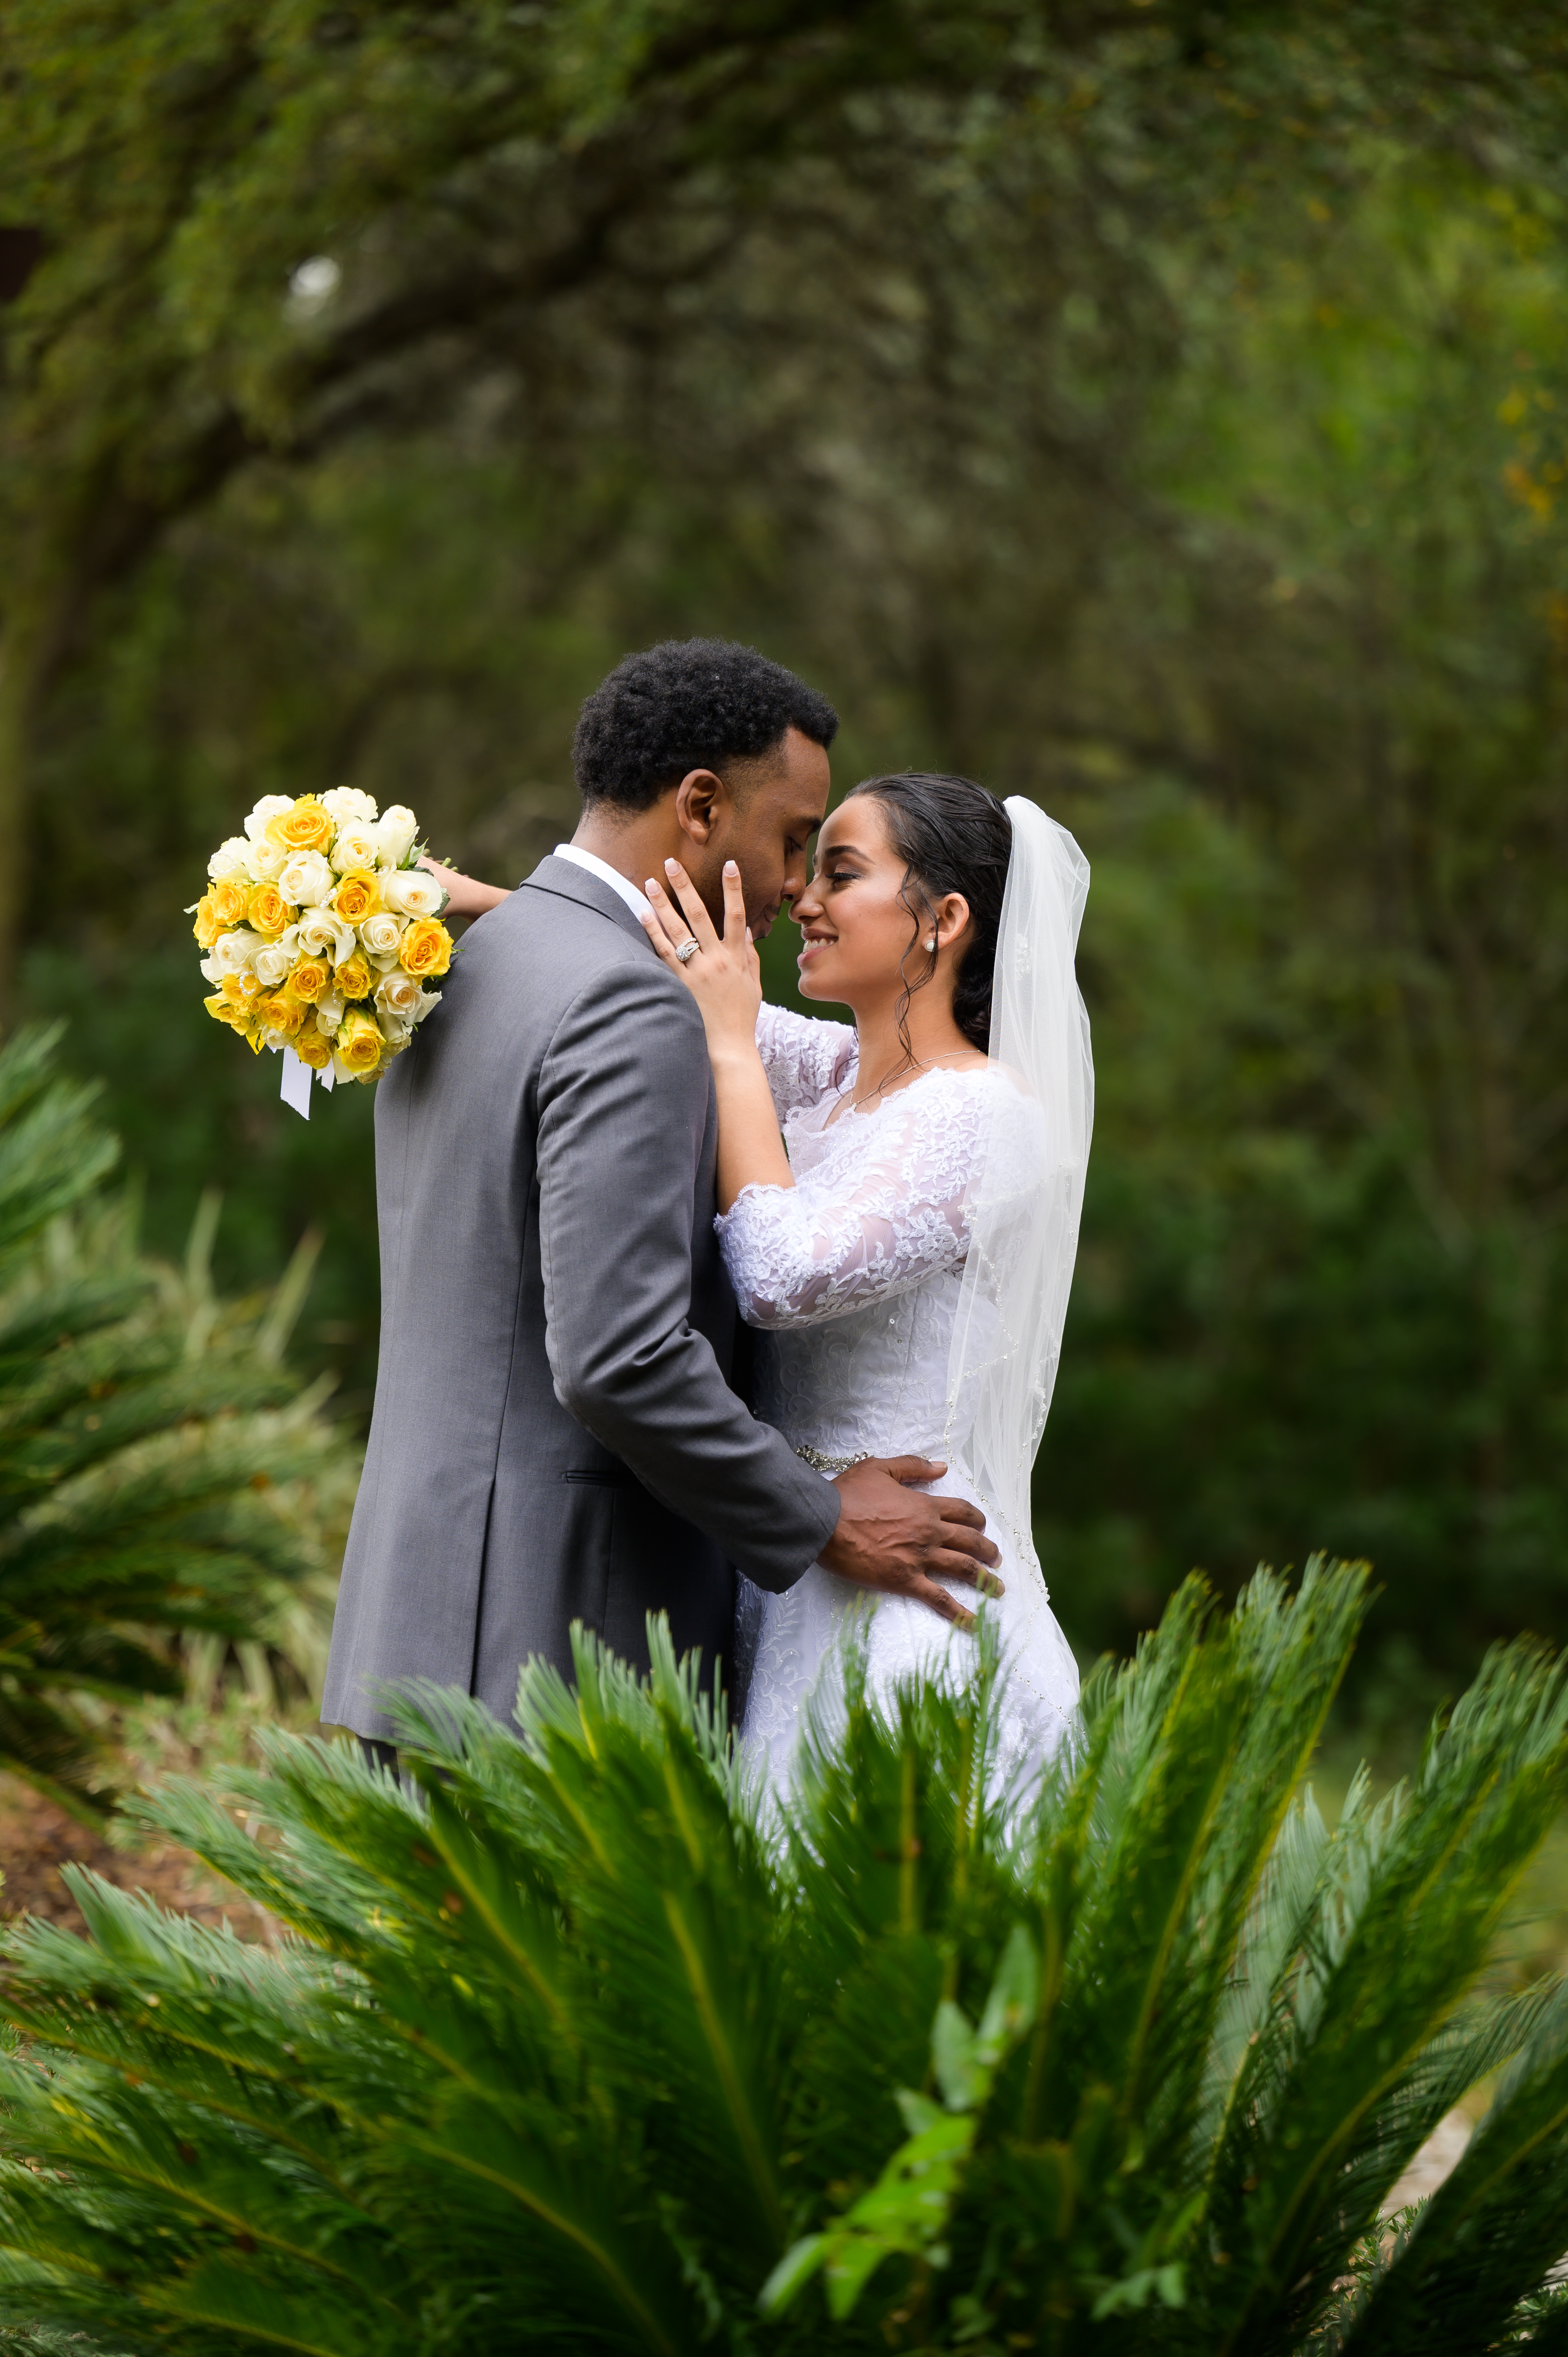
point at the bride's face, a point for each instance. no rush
(861, 941)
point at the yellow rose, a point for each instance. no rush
(206, 927)
(304, 826)
(353, 977)
(357, 898)
(233, 1003)
(281, 1011)
(426, 949)
(313, 1048)
(359, 1046)
(310, 978)
(268, 911)
(231, 896)
(224, 1009)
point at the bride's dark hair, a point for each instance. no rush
(952, 837)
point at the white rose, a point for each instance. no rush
(270, 806)
(415, 892)
(234, 952)
(268, 859)
(306, 880)
(350, 806)
(320, 932)
(274, 964)
(395, 1033)
(398, 996)
(230, 859)
(329, 1012)
(381, 933)
(396, 833)
(356, 847)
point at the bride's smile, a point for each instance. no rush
(862, 940)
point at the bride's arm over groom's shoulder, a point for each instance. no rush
(805, 1059)
(466, 896)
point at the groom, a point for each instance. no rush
(555, 1437)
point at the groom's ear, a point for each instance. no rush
(699, 800)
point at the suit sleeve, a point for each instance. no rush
(623, 1102)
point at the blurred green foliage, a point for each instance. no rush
(1164, 413)
(142, 1423)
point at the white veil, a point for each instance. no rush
(1027, 1198)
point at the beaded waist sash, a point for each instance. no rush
(822, 1464)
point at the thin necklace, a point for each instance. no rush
(910, 1063)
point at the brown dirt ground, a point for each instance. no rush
(37, 1838)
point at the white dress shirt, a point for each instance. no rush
(638, 902)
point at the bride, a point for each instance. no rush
(899, 1199)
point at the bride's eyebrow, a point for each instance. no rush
(840, 851)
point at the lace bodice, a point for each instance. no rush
(854, 1271)
(854, 1276)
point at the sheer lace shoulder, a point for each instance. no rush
(885, 1207)
(805, 1059)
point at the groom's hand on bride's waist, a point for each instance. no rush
(896, 1539)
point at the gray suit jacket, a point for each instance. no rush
(555, 1438)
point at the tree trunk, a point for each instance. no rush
(20, 704)
(44, 630)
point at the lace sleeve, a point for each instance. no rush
(876, 1218)
(805, 1059)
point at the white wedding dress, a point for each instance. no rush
(854, 1276)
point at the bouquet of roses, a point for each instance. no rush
(320, 932)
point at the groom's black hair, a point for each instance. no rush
(688, 703)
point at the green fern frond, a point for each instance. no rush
(131, 1464)
(572, 2043)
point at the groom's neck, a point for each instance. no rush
(636, 845)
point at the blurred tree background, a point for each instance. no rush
(1160, 409)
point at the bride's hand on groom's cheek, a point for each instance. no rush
(897, 1539)
(721, 971)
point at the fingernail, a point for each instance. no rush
(730, 867)
(989, 1585)
(671, 867)
(650, 887)
(966, 1621)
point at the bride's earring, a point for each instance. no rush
(931, 942)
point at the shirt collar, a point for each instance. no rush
(636, 901)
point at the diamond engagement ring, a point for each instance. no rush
(688, 950)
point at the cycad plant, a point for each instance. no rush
(571, 2045)
(141, 1422)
